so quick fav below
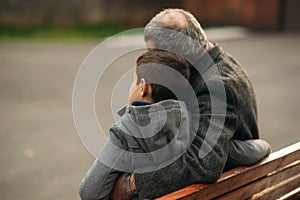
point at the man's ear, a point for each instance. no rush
(146, 89)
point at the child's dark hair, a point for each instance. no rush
(149, 67)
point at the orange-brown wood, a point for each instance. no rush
(266, 182)
(295, 194)
(278, 190)
(239, 177)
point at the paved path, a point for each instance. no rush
(41, 156)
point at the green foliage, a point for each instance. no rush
(51, 32)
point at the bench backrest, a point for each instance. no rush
(278, 175)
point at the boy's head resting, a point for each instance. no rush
(151, 66)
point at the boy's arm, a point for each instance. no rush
(98, 182)
(246, 152)
(101, 177)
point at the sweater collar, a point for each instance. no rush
(140, 103)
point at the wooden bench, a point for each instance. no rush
(276, 176)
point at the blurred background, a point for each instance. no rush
(43, 43)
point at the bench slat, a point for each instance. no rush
(260, 185)
(238, 177)
(295, 194)
(278, 190)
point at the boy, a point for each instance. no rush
(153, 106)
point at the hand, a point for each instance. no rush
(132, 184)
(119, 191)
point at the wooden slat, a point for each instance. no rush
(199, 187)
(278, 190)
(238, 177)
(263, 183)
(295, 194)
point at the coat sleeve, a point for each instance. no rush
(100, 178)
(98, 182)
(246, 152)
(190, 168)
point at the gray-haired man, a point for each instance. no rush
(237, 143)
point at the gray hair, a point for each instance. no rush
(186, 38)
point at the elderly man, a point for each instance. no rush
(237, 143)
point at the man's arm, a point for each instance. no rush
(246, 152)
(188, 169)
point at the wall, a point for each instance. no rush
(70, 12)
(261, 14)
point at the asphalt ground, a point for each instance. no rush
(41, 155)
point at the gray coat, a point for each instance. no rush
(145, 139)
